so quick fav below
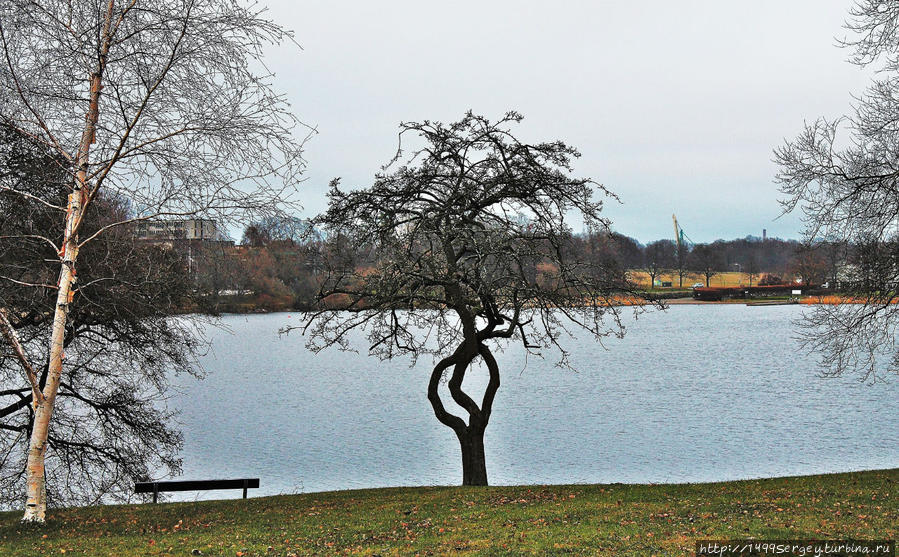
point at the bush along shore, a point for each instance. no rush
(615, 519)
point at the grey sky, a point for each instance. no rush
(675, 105)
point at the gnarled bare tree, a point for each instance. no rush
(460, 251)
(843, 174)
(158, 102)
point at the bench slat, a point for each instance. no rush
(195, 485)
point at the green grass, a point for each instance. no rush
(528, 520)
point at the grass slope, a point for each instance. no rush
(538, 520)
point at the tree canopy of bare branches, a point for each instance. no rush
(658, 258)
(843, 174)
(467, 249)
(165, 104)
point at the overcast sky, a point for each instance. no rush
(675, 105)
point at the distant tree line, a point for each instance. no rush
(277, 265)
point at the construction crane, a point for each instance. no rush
(681, 240)
(677, 232)
(682, 244)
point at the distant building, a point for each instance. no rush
(187, 229)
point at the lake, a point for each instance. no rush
(696, 393)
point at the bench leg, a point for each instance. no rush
(245, 483)
(155, 492)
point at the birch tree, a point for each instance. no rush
(459, 252)
(163, 103)
(111, 426)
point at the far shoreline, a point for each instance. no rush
(684, 301)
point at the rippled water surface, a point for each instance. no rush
(692, 394)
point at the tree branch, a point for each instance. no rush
(6, 329)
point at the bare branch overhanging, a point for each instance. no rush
(843, 175)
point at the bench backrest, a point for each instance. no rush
(195, 485)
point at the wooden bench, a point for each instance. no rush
(195, 485)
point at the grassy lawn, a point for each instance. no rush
(531, 520)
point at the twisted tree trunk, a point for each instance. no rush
(471, 434)
(474, 464)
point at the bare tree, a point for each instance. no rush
(607, 250)
(682, 264)
(751, 267)
(835, 256)
(471, 244)
(159, 103)
(809, 264)
(658, 258)
(706, 260)
(281, 230)
(112, 427)
(842, 174)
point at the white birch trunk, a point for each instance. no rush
(35, 488)
(36, 502)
